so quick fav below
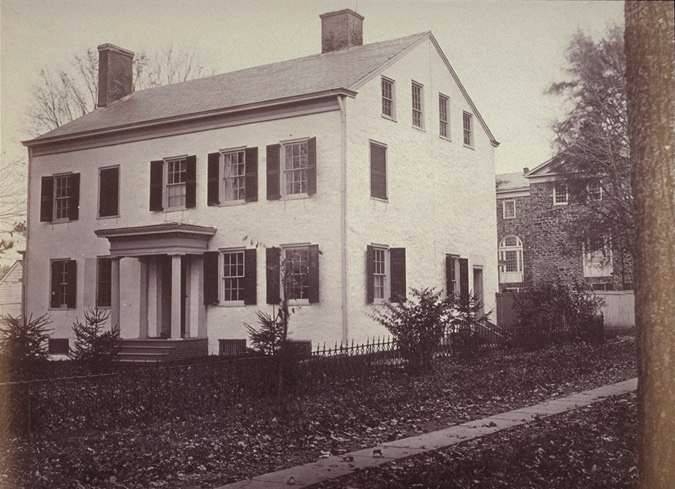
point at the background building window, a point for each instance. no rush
(509, 209)
(443, 111)
(594, 191)
(388, 97)
(175, 183)
(417, 114)
(296, 162)
(511, 260)
(560, 194)
(234, 274)
(468, 128)
(234, 175)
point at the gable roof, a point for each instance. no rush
(549, 167)
(332, 73)
(508, 182)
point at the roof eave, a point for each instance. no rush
(190, 117)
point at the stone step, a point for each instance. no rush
(126, 356)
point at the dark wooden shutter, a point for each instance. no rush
(313, 274)
(47, 199)
(156, 184)
(450, 275)
(251, 174)
(273, 273)
(250, 289)
(71, 288)
(311, 169)
(464, 278)
(378, 171)
(74, 210)
(273, 175)
(370, 277)
(213, 185)
(191, 182)
(57, 266)
(397, 266)
(211, 277)
(108, 203)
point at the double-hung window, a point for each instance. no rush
(417, 106)
(60, 198)
(63, 283)
(62, 195)
(508, 209)
(468, 128)
(108, 191)
(295, 165)
(443, 111)
(234, 274)
(388, 98)
(380, 274)
(296, 273)
(378, 170)
(234, 175)
(594, 191)
(385, 274)
(176, 178)
(560, 194)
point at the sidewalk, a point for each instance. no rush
(337, 466)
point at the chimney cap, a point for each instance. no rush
(343, 11)
(111, 47)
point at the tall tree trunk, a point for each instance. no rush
(650, 75)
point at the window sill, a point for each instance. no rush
(64, 309)
(470, 146)
(298, 302)
(295, 196)
(105, 308)
(389, 118)
(231, 304)
(560, 203)
(59, 221)
(103, 218)
(173, 209)
(508, 217)
(420, 129)
(379, 302)
(445, 138)
(379, 199)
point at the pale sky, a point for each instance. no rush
(505, 52)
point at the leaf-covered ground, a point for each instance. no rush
(207, 451)
(592, 448)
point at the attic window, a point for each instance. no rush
(417, 114)
(388, 97)
(468, 129)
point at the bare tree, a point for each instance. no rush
(650, 77)
(12, 202)
(67, 93)
(591, 140)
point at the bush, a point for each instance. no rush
(95, 344)
(465, 323)
(417, 326)
(268, 336)
(554, 311)
(24, 341)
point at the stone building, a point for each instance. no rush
(535, 209)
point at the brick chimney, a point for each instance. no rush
(340, 30)
(115, 73)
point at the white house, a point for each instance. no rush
(366, 167)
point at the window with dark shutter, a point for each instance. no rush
(273, 261)
(378, 171)
(211, 277)
(250, 283)
(191, 182)
(213, 185)
(464, 278)
(251, 175)
(63, 284)
(313, 274)
(108, 192)
(56, 294)
(370, 276)
(103, 282)
(71, 284)
(450, 275)
(156, 184)
(273, 175)
(398, 274)
(74, 208)
(46, 200)
(311, 168)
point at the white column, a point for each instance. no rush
(153, 297)
(115, 293)
(197, 313)
(143, 298)
(176, 296)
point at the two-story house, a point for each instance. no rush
(365, 170)
(535, 211)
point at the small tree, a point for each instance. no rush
(23, 341)
(268, 337)
(465, 322)
(95, 344)
(417, 325)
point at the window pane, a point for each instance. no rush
(296, 161)
(387, 97)
(443, 115)
(379, 273)
(468, 129)
(234, 175)
(176, 177)
(62, 194)
(416, 105)
(233, 276)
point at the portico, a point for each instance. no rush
(170, 271)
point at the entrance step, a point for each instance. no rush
(153, 350)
